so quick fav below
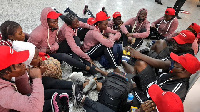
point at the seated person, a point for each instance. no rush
(162, 101)
(139, 28)
(97, 44)
(165, 26)
(21, 96)
(177, 80)
(44, 37)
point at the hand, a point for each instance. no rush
(91, 62)
(35, 73)
(154, 26)
(134, 53)
(48, 50)
(129, 35)
(43, 69)
(148, 106)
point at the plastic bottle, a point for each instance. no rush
(130, 97)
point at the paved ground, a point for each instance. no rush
(27, 13)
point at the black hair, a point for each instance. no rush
(3, 72)
(69, 18)
(8, 28)
(103, 8)
(97, 23)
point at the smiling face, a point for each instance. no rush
(18, 35)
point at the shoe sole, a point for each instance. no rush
(53, 109)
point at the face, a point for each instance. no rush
(17, 70)
(18, 35)
(143, 15)
(53, 24)
(167, 17)
(103, 25)
(117, 20)
(176, 68)
(36, 59)
(75, 23)
(178, 48)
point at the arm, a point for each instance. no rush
(144, 34)
(76, 49)
(123, 28)
(108, 42)
(151, 61)
(15, 100)
(85, 25)
(23, 85)
(109, 30)
(36, 40)
(156, 22)
(172, 28)
(54, 47)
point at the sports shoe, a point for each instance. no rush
(64, 99)
(77, 76)
(91, 86)
(55, 103)
(77, 93)
(125, 58)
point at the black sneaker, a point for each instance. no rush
(64, 99)
(78, 93)
(55, 103)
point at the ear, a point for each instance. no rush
(98, 24)
(11, 37)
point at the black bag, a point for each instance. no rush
(115, 91)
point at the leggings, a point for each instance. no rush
(100, 50)
(94, 106)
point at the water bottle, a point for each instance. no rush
(130, 97)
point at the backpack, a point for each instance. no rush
(114, 92)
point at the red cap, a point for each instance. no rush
(91, 21)
(116, 14)
(101, 16)
(184, 37)
(53, 15)
(170, 11)
(165, 101)
(9, 57)
(188, 61)
(196, 27)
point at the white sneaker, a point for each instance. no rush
(77, 76)
(91, 86)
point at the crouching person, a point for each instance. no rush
(10, 96)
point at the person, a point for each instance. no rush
(177, 80)
(159, 2)
(162, 101)
(52, 86)
(165, 26)
(104, 10)
(44, 37)
(177, 6)
(86, 11)
(139, 26)
(19, 96)
(95, 44)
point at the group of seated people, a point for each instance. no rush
(158, 77)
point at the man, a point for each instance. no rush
(139, 28)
